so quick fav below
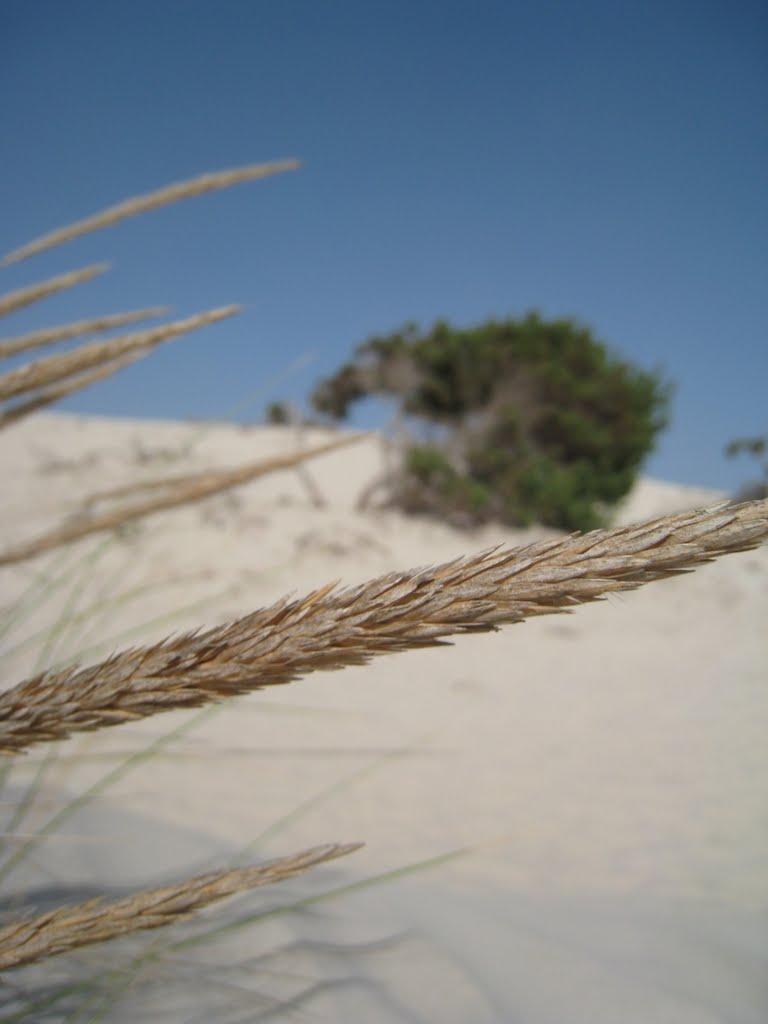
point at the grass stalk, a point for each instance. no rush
(404, 871)
(68, 928)
(150, 201)
(22, 297)
(332, 629)
(47, 396)
(182, 490)
(45, 657)
(115, 774)
(65, 332)
(42, 372)
(160, 949)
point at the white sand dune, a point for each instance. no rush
(604, 773)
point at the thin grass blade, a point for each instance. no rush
(150, 201)
(22, 297)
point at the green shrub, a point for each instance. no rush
(431, 482)
(541, 421)
(277, 413)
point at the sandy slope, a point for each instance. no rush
(607, 771)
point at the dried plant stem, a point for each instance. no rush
(180, 491)
(99, 920)
(51, 335)
(150, 201)
(48, 396)
(37, 374)
(331, 629)
(12, 301)
(190, 486)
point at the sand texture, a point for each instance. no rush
(602, 777)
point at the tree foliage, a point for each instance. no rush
(538, 420)
(757, 447)
(277, 413)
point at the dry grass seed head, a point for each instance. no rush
(42, 372)
(150, 201)
(65, 332)
(22, 297)
(47, 396)
(67, 928)
(332, 629)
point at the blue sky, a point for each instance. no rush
(597, 160)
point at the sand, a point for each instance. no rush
(602, 777)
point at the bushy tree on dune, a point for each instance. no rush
(537, 420)
(528, 419)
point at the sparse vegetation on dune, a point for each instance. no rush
(329, 628)
(540, 422)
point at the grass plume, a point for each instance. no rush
(332, 629)
(150, 201)
(328, 629)
(47, 396)
(38, 384)
(65, 332)
(67, 928)
(22, 297)
(42, 372)
(183, 490)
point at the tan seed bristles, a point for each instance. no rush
(331, 629)
(179, 491)
(150, 201)
(12, 301)
(42, 372)
(99, 920)
(48, 396)
(51, 335)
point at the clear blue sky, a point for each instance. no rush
(601, 160)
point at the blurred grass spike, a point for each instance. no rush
(178, 491)
(64, 332)
(47, 396)
(22, 297)
(149, 201)
(66, 928)
(54, 368)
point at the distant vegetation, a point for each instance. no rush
(527, 420)
(277, 414)
(757, 447)
(511, 401)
